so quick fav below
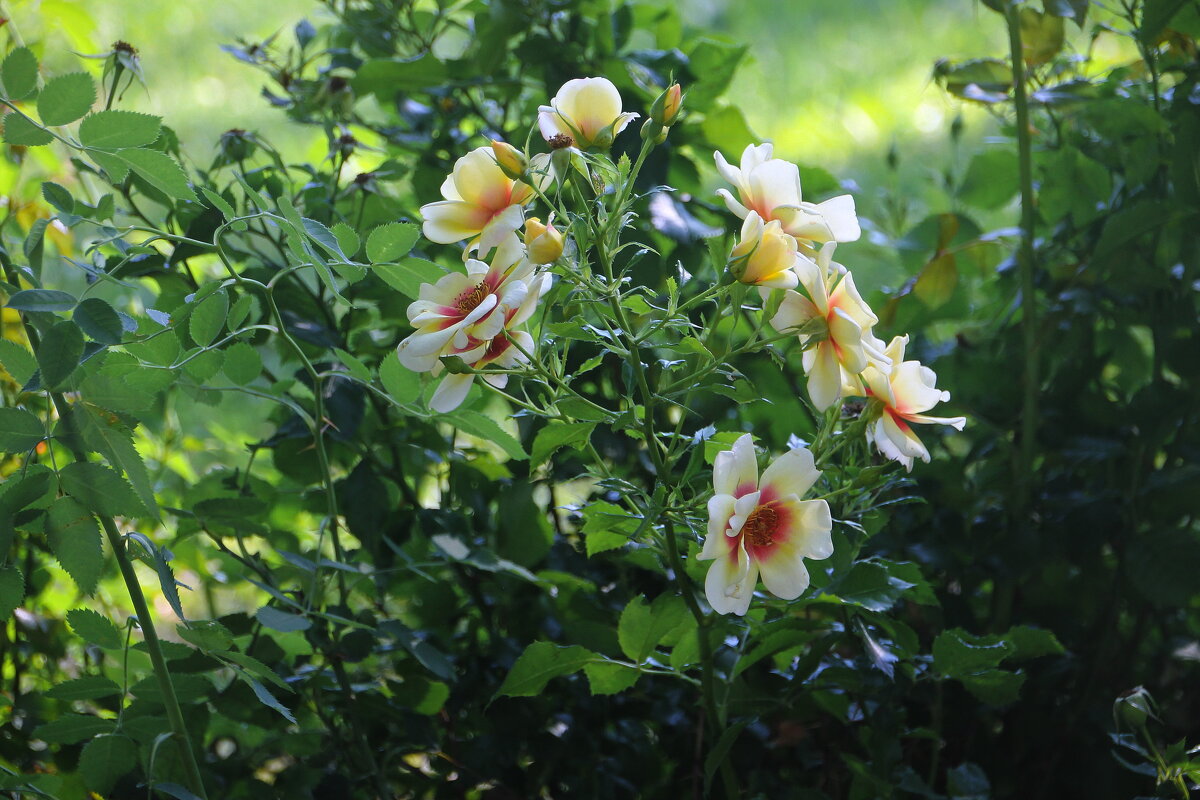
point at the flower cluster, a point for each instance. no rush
(474, 315)
(469, 322)
(788, 245)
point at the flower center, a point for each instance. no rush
(468, 299)
(760, 526)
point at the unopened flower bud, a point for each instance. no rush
(345, 144)
(1133, 708)
(337, 95)
(603, 138)
(512, 162)
(543, 243)
(237, 145)
(665, 110)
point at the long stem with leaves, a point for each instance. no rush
(141, 608)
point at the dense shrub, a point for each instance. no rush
(364, 597)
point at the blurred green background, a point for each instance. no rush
(836, 85)
(830, 83)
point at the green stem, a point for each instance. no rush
(141, 609)
(1026, 266)
(153, 646)
(703, 623)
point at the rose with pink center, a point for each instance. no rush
(759, 527)
(900, 397)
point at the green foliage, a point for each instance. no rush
(74, 538)
(392, 585)
(19, 73)
(66, 98)
(95, 628)
(541, 662)
(106, 758)
(115, 129)
(19, 430)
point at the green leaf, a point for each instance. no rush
(358, 369)
(1032, 642)
(19, 72)
(116, 168)
(122, 384)
(100, 489)
(408, 276)
(162, 348)
(58, 197)
(869, 585)
(59, 352)
(1042, 35)
(607, 527)
(556, 435)
(206, 634)
(991, 179)
(727, 129)
(99, 320)
(1072, 183)
(12, 590)
(242, 364)
(20, 131)
(106, 435)
(769, 645)
(347, 239)
(73, 728)
(208, 318)
(643, 626)
(995, 687)
(95, 628)
(218, 202)
(20, 431)
(256, 668)
(42, 300)
(74, 539)
(386, 77)
(392, 241)
(114, 129)
(202, 366)
(957, 653)
(34, 245)
(267, 699)
(160, 559)
(105, 759)
(935, 285)
(158, 169)
(34, 486)
(720, 750)
(66, 98)
(19, 362)
(239, 311)
(282, 621)
(603, 541)
(401, 383)
(610, 677)
(89, 688)
(540, 662)
(320, 233)
(1156, 15)
(421, 695)
(485, 428)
